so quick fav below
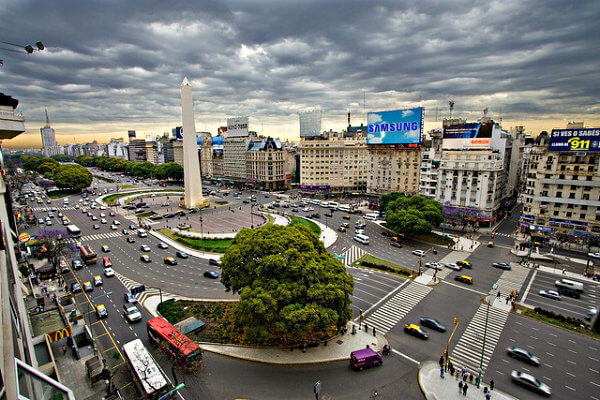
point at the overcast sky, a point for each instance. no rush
(111, 66)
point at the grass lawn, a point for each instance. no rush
(109, 180)
(311, 225)
(209, 245)
(570, 324)
(111, 199)
(370, 261)
(127, 187)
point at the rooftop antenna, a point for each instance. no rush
(451, 104)
(47, 119)
(485, 111)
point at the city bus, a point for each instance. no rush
(88, 255)
(149, 378)
(74, 230)
(187, 352)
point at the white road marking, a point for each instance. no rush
(570, 374)
(569, 387)
(405, 356)
(528, 287)
(546, 378)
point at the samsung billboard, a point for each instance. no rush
(470, 135)
(237, 127)
(396, 127)
(575, 140)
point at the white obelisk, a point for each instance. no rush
(191, 166)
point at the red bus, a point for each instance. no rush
(88, 255)
(187, 352)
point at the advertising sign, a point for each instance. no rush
(396, 127)
(471, 135)
(24, 237)
(310, 123)
(217, 143)
(178, 133)
(575, 140)
(59, 334)
(131, 134)
(237, 127)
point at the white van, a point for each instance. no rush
(142, 233)
(566, 283)
(364, 239)
(344, 207)
(371, 216)
(333, 205)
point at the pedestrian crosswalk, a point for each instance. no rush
(353, 254)
(388, 315)
(468, 350)
(48, 208)
(141, 297)
(511, 280)
(508, 235)
(99, 236)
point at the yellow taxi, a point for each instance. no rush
(490, 244)
(101, 311)
(464, 264)
(464, 279)
(416, 330)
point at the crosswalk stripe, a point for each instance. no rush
(393, 310)
(352, 254)
(467, 352)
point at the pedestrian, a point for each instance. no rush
(498, 294)
(64, 349)
(441, 362)
(564, 271)
(373, 331)
(465, 387)
(442, 372)
(507, 299)
(492, 384)
(460, 386)
(366, 327)
(471, 377)
(488, 396)
(451, 367)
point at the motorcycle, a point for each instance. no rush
(386, 350)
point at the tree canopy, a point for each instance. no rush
(170, 170)
(291, 288)
(72, 176)
(412, 215)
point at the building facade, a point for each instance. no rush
(265, 164)
(234, 157)
(49, 145)
(393, 169)
(137, 150)
(205, 152)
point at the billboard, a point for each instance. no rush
(310, 123)
(178, 133)
(395, 127)
(575, 140)
(237, 127)
(217, 143)
(470, 135)
(131, 134)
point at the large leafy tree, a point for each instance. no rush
(72, 176)
(54, 244)
(291, 288)
(413, 215)
(60, 157)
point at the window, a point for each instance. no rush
(558, 194)
(582, 216)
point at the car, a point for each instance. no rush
(116, 222)
(88, 287)
(103, 207)
(59, 215)
(41, 221)
(103, 221)
(131, 227)
(434, 265)
(551, 294)
(145, 248)
(76, 264)
(464, 264)
(453, 266)
(395, 244)
(522, 355)
(130, 239)
(345, 225)
(530, 382)
(342, 229)
(501, 265)
(96, 226)
(125, 231)
(464, 279)
(359, 225)
(156, 217)
(145, 258)
(359, 231)
(105, 248)
(102, 215)
(131, 313)
(163, 245)
(84, 210)
(98, 280)
(433, 324)
(114, 227)
(94, 218)
(170, 261)
(181, 254)
(419, 253)
(106, 262)
(130, 298)
(246, 201)
(490, 244)
(591, 314)
(214, 261)
(48, 223)
(211, 274)
(112, 214)
(108, 272)
(101, 311)
(563, 291)
(416, 330)
(77, 206)
(75, 287)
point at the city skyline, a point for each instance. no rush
(530, 66)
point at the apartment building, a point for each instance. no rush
(265, 164)
(234, 157)
(562, 190)
(393, 168)
(205, 151)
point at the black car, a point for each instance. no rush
(130, 239)
(211, 274)
(181, 254)
(501, 265)
(316, 216)
(563, 291)
(433, 324)
(75, 287)
(156, 217)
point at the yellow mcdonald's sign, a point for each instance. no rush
(59, 334)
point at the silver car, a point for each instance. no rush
(530, 382)
(551, 294)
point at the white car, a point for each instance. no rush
(114, 227)
(117, 222)
(102, 215)
(433, 265)
(104, 221)
(418, 252)
(453, 266)
(109, 272)
(103, 207)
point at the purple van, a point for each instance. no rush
(365, 358)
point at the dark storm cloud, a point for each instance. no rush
(124, 60)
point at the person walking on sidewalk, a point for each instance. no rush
(442, 372)
(460, 386)
(441, 362)
(465, 387)
(492, 384)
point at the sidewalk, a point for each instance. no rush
(436, 388)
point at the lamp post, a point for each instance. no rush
(447, 351)
(487, 315)
(252, 215)
(201, 229)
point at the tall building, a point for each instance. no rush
(562, 190)
(137, 150)
(205, 152)
(49, 145)
(393, 169)
(234, 157)
(117, 148)
(21, 372)
(265, 164)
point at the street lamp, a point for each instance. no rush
(201, 229)
(252, 215)
(487, 315)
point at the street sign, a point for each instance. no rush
(24, 237)
(138, 289)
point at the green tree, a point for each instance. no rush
(291, 288)
(412, 215)
(84, 160)
(72, 176)
(46, 167)
(61, 157)
(144, 169)
(173, 171)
